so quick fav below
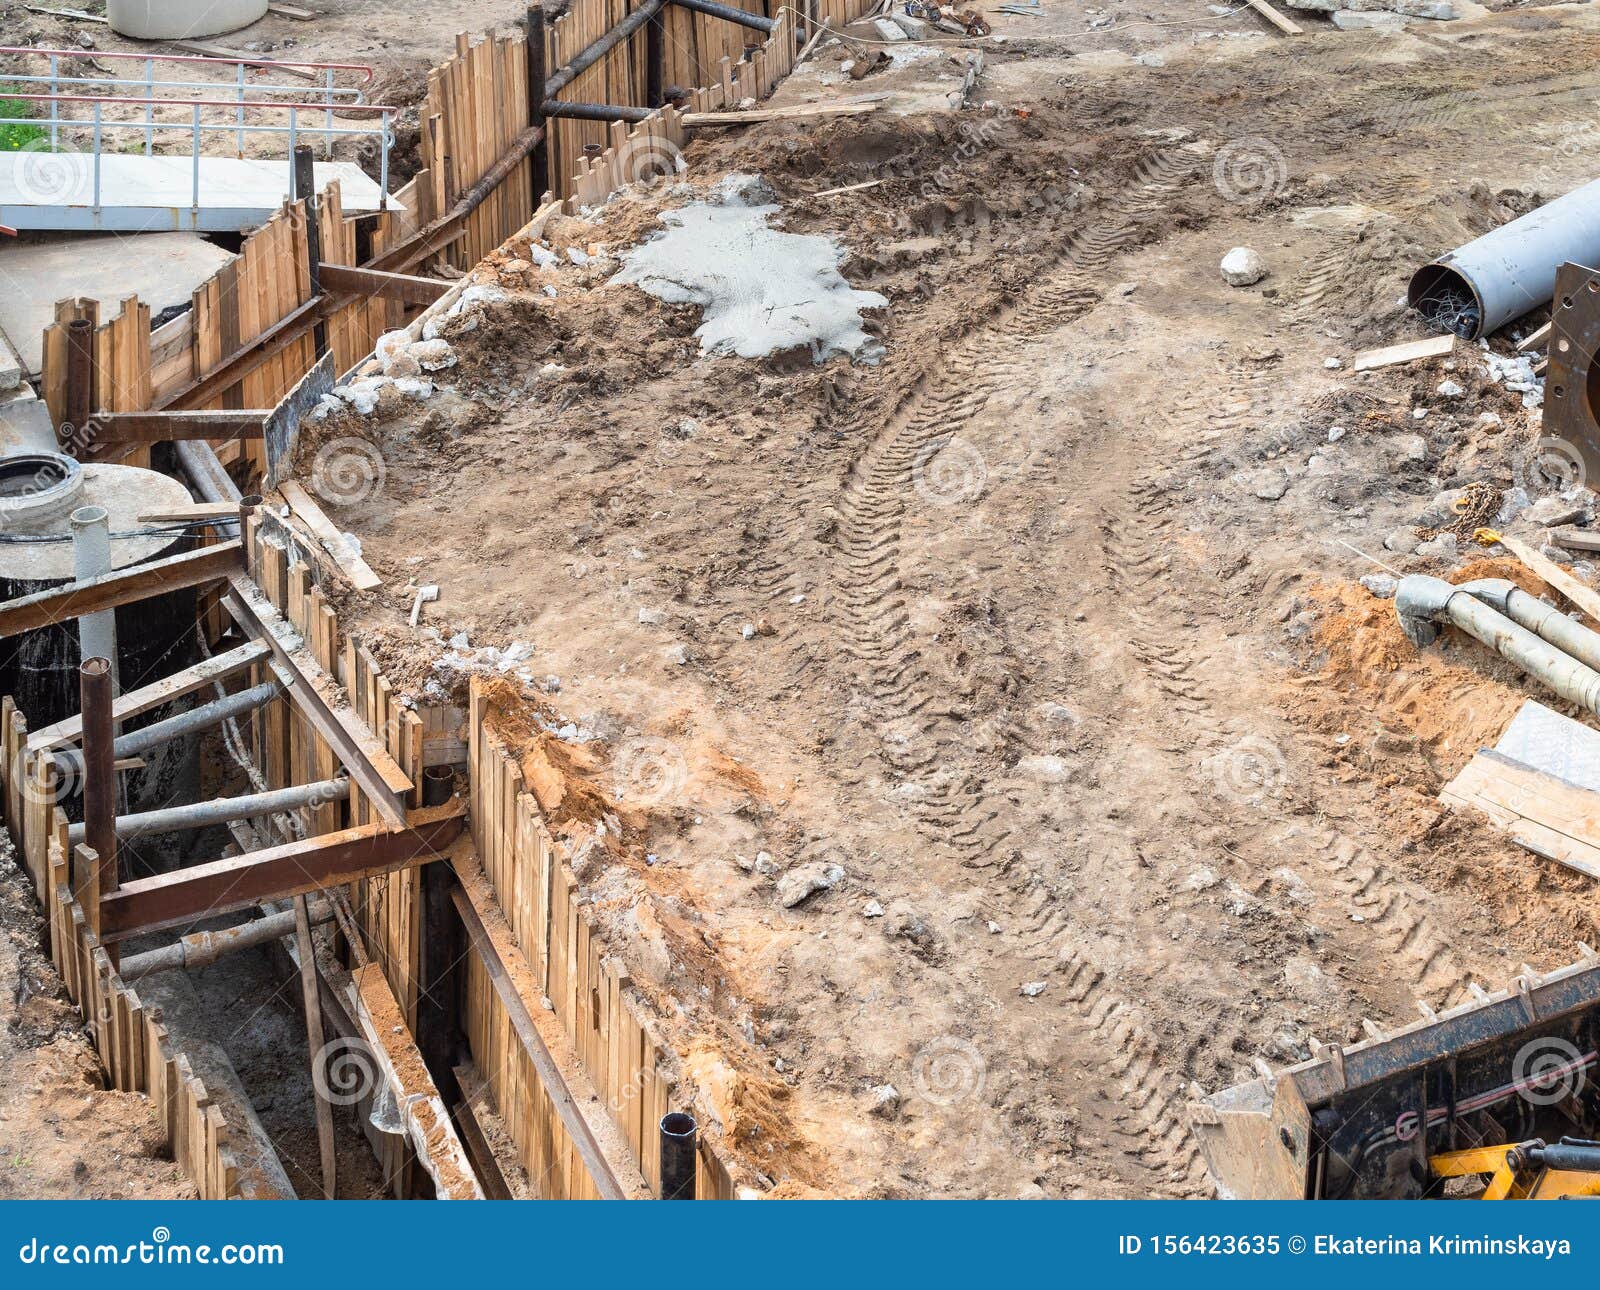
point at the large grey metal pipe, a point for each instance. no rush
(730, 13)
(595, 111)
(1543, 620)
(586, 58)
(592, 54)
(1422, 603)
(197, 815)
(187, 723)
(1481, 286)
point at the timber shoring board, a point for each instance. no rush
(377, 773)
(428, 1125)
(1545, 815)
(61, 604)
(495, 954)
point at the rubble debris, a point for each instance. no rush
(804, 881)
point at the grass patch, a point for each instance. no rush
(17, 135)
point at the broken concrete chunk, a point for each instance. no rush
(1270, 484)
(914, 28)
(1352, 20)
(806, 880)
(890, 31)
(1550, 511)
(1380, 585)
(1032, 989)
(1242, 267)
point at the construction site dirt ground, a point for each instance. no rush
(1044, 630)
(1036, 647)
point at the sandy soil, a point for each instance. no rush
(1056, 652)
(63, 1135)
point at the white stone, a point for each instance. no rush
(890, 31)
(1241, 267)
(806, 880)
(1032, 989)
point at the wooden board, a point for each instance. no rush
(327, 533)
(1410, 352)
(1543, 814)
(193, 569)
(1579, 593)
(1283, 24)
(220, 886)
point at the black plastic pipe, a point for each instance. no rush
(596, 111)
(727, 12)
(679, 1138)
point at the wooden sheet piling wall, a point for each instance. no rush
(476, 107)
(588, 988)
(134, 1047)
(703, 55)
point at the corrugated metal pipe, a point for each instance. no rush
(1517, 626)
(1481, 286)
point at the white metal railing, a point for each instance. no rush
(328, 95)
(197, 128)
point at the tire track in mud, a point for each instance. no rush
(968, 817)
(1165, 641)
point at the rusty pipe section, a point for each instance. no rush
(1423, 604)
(99, 827)
(191, 722)
(199, 949)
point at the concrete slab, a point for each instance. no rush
(1555, 744)
(139, 194)
(25, 424)
(37, 270)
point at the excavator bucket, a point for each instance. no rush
(1360, 1122)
